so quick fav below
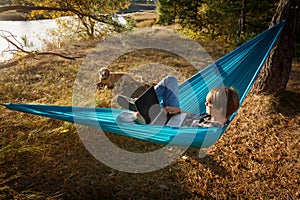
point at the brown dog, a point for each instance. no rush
(109, 79)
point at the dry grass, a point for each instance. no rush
(40, 158)
(145, 18)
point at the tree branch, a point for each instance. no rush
(101, 18)
(8, 64)
(31, 53)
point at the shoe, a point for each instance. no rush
(126, 102)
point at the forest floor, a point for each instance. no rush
(41, 158)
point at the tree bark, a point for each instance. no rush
(243, 16)
(275, 73)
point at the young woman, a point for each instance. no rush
(220, 104)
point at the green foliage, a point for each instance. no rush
(260, 14)
(4, 2)
(218, 18)
(165, 10)
(186, 11)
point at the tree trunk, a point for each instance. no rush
(242, 22)
(275, 73)
(243, 16)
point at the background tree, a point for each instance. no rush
(275, 73)
(229, 20)
(88, 11)
(166, 11)
(239, 20)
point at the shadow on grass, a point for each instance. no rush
(208, 161)
(289, 103)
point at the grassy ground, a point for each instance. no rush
(41, 158)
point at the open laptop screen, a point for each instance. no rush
(148, 105)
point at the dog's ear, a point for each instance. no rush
(107, 72)
(102, 70)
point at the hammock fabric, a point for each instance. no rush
(238, 69)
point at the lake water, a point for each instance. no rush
(36, 33)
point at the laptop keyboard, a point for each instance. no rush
(161, 119)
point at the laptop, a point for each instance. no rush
(149, 107)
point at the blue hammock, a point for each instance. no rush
(238, 69)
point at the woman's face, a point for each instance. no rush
(208, 107)
(213, 110)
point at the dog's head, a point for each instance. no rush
(104, 73)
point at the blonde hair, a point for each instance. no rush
(225, 98)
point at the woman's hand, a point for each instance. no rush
(139, 119)
(173, 110)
